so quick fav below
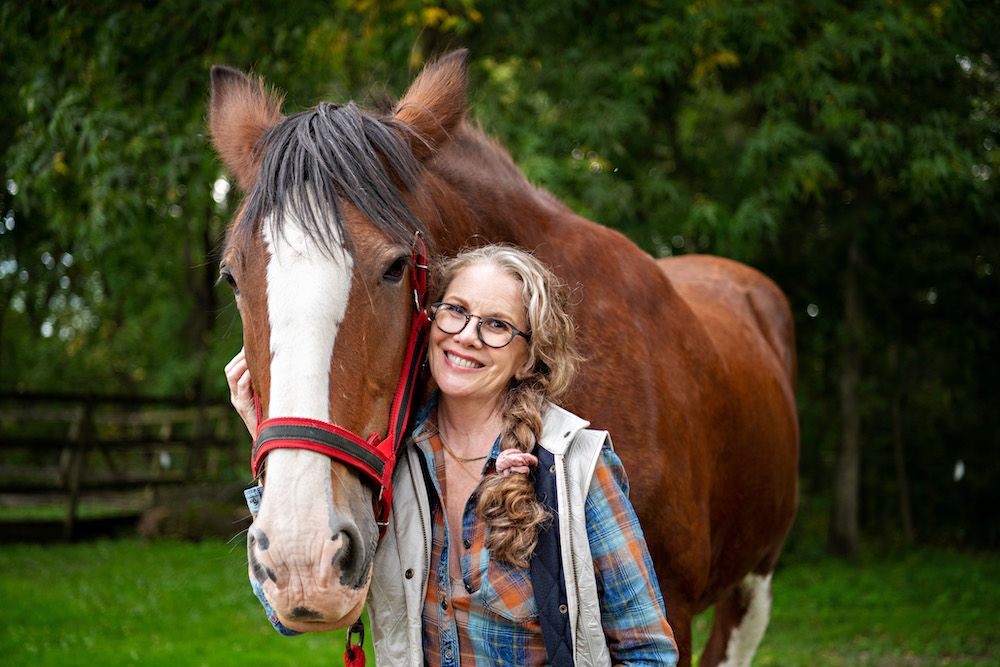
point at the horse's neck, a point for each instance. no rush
(483, 197)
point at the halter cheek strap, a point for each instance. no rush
(375, 458)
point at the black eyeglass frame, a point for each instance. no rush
(515, 332)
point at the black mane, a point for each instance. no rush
(340, 152)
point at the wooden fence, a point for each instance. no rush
(112, 451)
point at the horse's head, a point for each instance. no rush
(319, 258)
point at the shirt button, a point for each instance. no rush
(444, 604)
(563, 609)
(468, 588)
(552, 468)
(448, 653)
(409, 573)
(467, 543)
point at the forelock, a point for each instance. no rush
(314, 161)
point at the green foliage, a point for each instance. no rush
(108, 255)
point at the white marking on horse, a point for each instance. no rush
(755, 590)
(307, 292)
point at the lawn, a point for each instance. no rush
(918, 608)
(132, 602)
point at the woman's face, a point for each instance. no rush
(462, 366)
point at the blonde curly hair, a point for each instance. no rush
(507, 504)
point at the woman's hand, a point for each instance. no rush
(240, 391)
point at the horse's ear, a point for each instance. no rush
(435, 104)
(241, 110)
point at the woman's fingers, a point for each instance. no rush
(233, 368)
(243, 387)
(241, 390)
(240, 356)
(234, 373)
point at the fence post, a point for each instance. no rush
(80, 446)
(198, 456)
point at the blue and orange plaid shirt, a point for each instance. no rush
(488, 616)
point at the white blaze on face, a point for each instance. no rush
(307, 292)
(306, 300)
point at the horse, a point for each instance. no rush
(690, 360)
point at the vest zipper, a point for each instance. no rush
(572, 551)
(426, 542)
(420, 513)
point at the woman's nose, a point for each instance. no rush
(469, 335)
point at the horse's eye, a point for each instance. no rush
(394, 273)
(227, 275)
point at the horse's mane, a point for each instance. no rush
(335, 152)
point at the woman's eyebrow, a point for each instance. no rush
(496, 314)
(457, 300)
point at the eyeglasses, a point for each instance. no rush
(493, 332)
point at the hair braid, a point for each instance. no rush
(507, 504)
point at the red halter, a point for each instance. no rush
(376, 456)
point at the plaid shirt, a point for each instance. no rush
(489, 616)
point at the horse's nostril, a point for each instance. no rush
(349, 558)
(257, 541)
(259, 538)
(260, 571)
(342, 558)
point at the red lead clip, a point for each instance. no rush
(354, 654)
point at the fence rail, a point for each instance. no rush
(77, 446)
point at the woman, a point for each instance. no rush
(535, 553)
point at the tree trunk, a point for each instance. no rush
(201, 283)
(899, 455)
(845, 536)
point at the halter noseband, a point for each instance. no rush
(375, 457)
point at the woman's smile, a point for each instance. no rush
(462, 362)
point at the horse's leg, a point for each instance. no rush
(741, 617)
(680, 622)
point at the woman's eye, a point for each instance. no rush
(497, 325)
(395, 272)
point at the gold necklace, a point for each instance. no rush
(460, 459)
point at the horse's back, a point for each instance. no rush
(720, 290)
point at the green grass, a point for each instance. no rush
(919, 608)
(173, 603)
(132, 602)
